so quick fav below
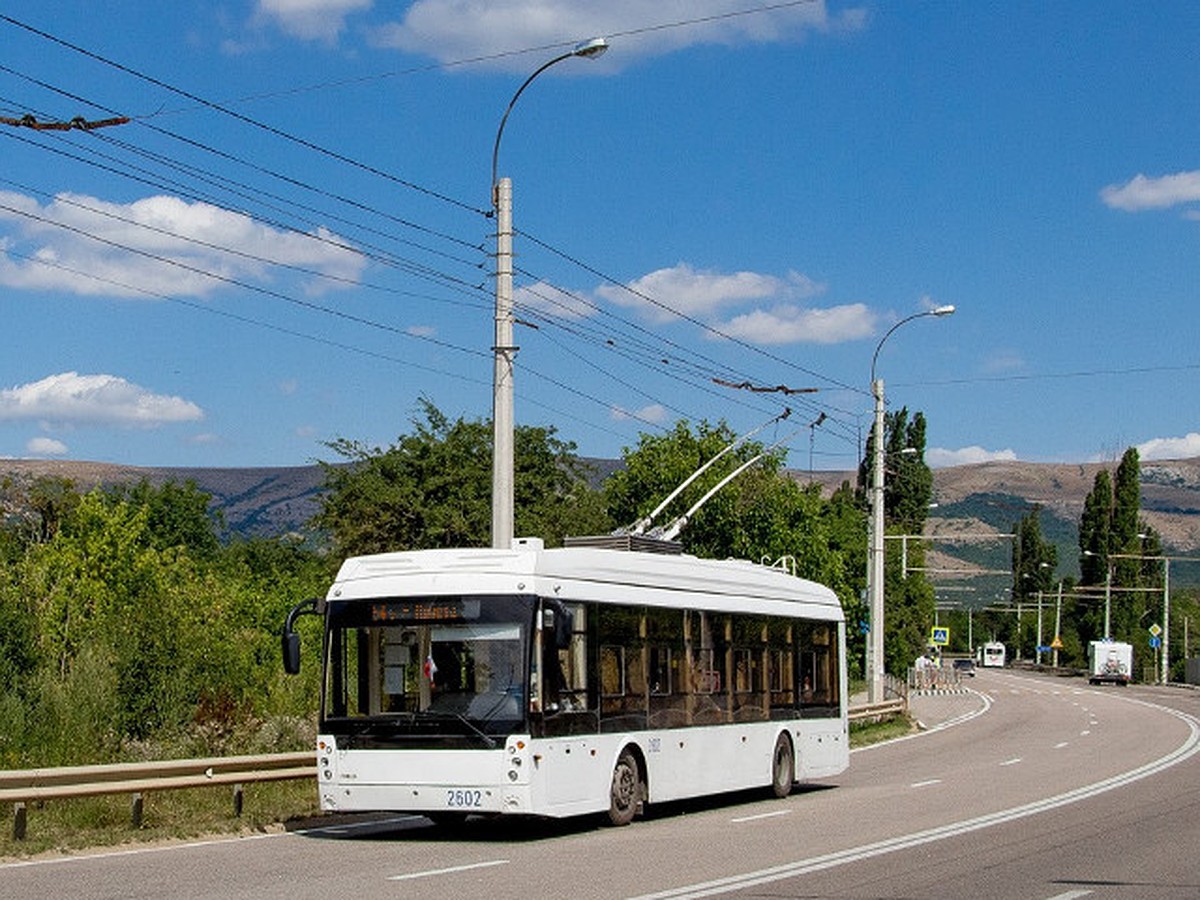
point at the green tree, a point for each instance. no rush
(1112, 538)
(177, 515)
(760, 514)
(432, 488)
(908, 489)
(1095, 530)
(1033, 564)
(846, 526)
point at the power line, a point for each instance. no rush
(270, 129)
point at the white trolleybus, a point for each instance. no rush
(570, 681)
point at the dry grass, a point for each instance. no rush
(69, 826)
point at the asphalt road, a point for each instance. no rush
(1028, 788)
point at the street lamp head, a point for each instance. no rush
(590, 49)
(947, 310)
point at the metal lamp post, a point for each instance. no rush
(875, 552)
(504, 351)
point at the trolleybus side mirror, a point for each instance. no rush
(314, 606)
(291, 653)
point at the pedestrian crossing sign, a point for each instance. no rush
(939, 635)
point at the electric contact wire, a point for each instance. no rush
(562, 254)
(285, 135)
(150, 179)
(843, 430)
(248, 192)
(388, 176)
(234, 282)
(358, 319)
(628, 347)
(699, 380)
(373, 170)
(270, 129)
(290, 332)
(315, 307)
(253, 166)
(220, 248)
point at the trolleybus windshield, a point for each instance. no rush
(446, 671)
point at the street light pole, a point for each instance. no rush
(1166, 635)
(875, 552)
(503, 505)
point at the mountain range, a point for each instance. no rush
(971, 502)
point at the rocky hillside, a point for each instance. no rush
(262, 502)
(989, 497)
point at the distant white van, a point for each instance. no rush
(991, 655)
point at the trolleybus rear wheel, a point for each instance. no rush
(783, 767)
(625, 793)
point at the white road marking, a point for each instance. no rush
(1190, 747)
(921, 784)
(214, 842)
(1062, 744)
(1011, 762)
(770, 815)
(431, 873)
(1069, 895)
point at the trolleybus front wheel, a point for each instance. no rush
(625, 793)
(783, 767)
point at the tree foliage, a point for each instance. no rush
(909, 603)
(127, 622)
(432, 488)
(760, 514)
(1121, 554)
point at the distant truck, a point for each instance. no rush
(1109, 662)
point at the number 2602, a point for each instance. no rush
(464, 799)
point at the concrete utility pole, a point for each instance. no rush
(503, 511)
(875, 552)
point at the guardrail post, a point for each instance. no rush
(135, 810)
(239, 796)
(19, 821)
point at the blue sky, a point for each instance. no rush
(289, 242)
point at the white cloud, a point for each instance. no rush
(796, 325)
(1141, 193)
(44, 446)
(61, 256)
(939, 458)
(655, 412)
(423, 331)
(1185, 447)
(311, 20)
(665, 293)
(72, 399)
(451, 30)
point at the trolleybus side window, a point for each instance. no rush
(819, 682)
(781, 668)
(621, 635)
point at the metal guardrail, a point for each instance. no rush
(873, 711)
(23, 786)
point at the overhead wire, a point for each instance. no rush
(340, 157)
